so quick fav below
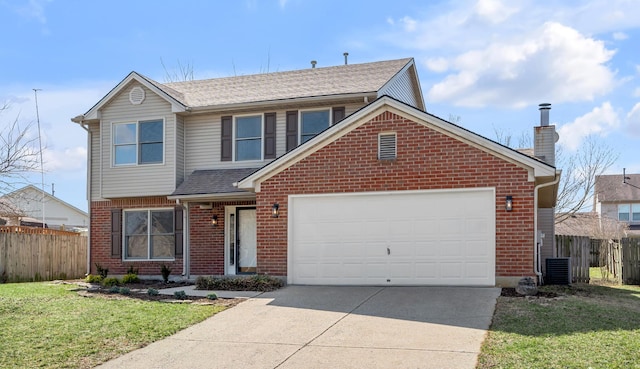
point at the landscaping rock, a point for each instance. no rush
(527, 287)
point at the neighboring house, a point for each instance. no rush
(592, 225)
(58, 214)
(618, 197)
(330, 175)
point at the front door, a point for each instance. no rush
(246, 256)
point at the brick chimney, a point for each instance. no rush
(545, 137)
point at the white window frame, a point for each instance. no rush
(630, 213)
(137, 142)
(300, 112)
(234, 129)
(124, 234)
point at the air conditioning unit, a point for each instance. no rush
(558, 271)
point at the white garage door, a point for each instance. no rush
(393, 238)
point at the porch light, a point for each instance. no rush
(509, 203)
(214, 220)
(275, 210)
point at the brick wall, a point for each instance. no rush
(206, 242)
(101, 237)
(426, 159)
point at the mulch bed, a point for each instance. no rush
(138, 291)
(511, 292)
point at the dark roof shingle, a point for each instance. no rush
(611, 188)
(215, 181)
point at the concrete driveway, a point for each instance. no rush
(333, 327)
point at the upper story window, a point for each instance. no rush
(139, 142)
(629, 212)
(312, 123)
(248, 138)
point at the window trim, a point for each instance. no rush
(300, 112)
(234, 138)
(124, 234)
(629, 214)
(137, 142)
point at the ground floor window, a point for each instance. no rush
(149, 234)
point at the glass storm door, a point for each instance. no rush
(246, 257)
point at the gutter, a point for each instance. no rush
(80, 121)
(536, 245)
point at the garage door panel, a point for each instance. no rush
(433, 238)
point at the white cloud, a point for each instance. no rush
(34, 9)
(409, 24)
(633, 120)
(619, 36)
(601, 121)
(493, 11)
(282, 3)
(553, 62)
(438, 65)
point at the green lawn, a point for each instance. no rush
(48, 326)
(588, 326)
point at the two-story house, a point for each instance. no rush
(331, 175)
(617, 197)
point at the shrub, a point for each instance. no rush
(103, 272)
(152, 292)
(92, 278)
(212, 296)
(180, 295)
(253, 283)
(165, 271)
(125, 291)
(130, 278)
(114, 289)
(132, 270)
(109, 282)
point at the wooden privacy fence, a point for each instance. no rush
(630, 260)
(578, 250)
(38, 257)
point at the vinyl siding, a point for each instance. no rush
(202, 139)
(401, 88)
(180, 173)
(546, 224)
(94, 194)
(137, 180)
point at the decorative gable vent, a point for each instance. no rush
(136, 95)
(387, 146)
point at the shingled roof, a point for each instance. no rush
(611, 188)
(212, 182)
(311, 82)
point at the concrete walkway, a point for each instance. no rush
(333, 327)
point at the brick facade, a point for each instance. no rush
(426, 159)
(206, 241)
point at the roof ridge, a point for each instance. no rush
(169, 84)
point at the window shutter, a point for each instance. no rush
(178, 230)
(116, 233)
(387, 146)
(292, 130)
(226, 142)
(270, 135)
(338, 114)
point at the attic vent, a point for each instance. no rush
(136, 95)
(387, 146)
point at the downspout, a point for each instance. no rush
(536, 251)
(80, 121)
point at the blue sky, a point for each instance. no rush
(488, 62)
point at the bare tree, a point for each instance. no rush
(184, 72)
(579, 172)
(19, 154)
